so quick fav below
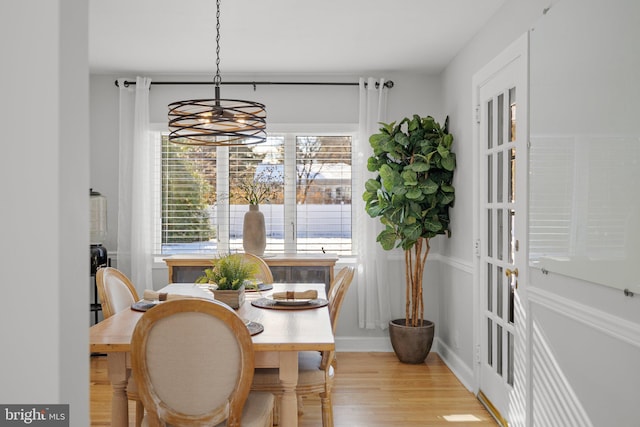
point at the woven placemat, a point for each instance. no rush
(261, 287)
(143, 305)
(272, 304)
(255, 328)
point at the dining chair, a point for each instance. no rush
(315, 369)
(264, 273)
(116, 293)
(193, 361)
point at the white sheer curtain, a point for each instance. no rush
(135, 217)
(372, 282)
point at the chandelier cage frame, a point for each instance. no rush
(217, 122)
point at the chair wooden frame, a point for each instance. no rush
(106, 277)
(264, 274)
(315, 369)
(103, 277)
(231, 406)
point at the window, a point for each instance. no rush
(201, 206)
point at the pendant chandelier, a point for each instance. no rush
(217, 122)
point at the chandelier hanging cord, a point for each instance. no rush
(217, 79)
(217, 122)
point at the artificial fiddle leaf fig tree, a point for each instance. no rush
(411, 195)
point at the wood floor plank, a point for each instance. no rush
(370, 390)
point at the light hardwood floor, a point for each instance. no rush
(370, 390)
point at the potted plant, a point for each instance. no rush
(229, 274)
(411, 195)
(255, 190)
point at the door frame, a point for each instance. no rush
(518, 49)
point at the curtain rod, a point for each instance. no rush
(388, 84)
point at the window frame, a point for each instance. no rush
(290, 132)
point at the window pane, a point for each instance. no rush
(188, 197)
(323, 193)
(260, 167)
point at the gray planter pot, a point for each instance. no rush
(411, 344)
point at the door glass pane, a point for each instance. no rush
(489, 342)
(499, 292)
(489, 233)
(512, 175)
(500, 178)
(511, 289)
(499, 350)
(510, 358)
(490, 124)
(490, 178)
(489, 287)
(510, 230)
(500, 235)
(512, 114)
(500, 116)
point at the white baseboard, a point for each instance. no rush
(461, 370)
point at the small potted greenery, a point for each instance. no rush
(228, 276)
(411, 194)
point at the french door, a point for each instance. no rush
(502, 98)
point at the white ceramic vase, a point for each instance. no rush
(254, 234)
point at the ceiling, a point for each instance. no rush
(281, 36)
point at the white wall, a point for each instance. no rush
(579, 327)
(412, 93)
(44, 222)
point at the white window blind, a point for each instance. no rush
(188, 198)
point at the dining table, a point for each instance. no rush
(286, 330)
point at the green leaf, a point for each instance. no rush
(372, 164)
(378, 138)
(388, 128)
(447, 198)
(374, 211)
(412, 231)
(447, 141)
(401, 139)
(372, 185)
(414, 123)
(387, 239)
(449, 163)
(388, 177)
(447, 188)
(419, 166)
(428, 123)
(443, 151)
(409, 177)
(433, 224)
(414, 194)
(429, 187)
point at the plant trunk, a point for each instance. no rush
(415, 260)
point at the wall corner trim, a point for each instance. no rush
(614, 326)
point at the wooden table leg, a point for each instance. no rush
(289, 379)
(119, 376)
